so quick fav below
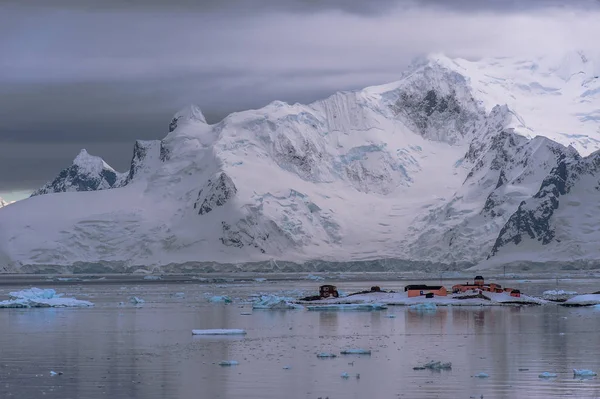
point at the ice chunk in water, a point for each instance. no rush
(356, 352)
(583, 373)
(315, 278)
(275, 302)
(41, 298)
(136, 301)
(219, 299)
(219, 331)
(546, 374)
(154, 278)
(345, 375)
(260, 280)
(229, 363)
(481, 375)
(325, 355)
(432, 365)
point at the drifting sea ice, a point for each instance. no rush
(546, 374)
(481, 375)
(41, 298)
(219, 299)
(220, 331)
(229, 363)
(326, 355)
(558, 295)
(136, 301)
(356, 352)
(275, 302)
(583, 300)
(583, 373)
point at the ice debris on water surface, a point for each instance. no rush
(423, 308)
(260, 279)
(481, 375)
(315, 278)
(136, 301)
(345, 375)
(356, 352)
(275, 302)
(326, 355)
(546, 374)
(219, 299)
(229, 363)
(583, 373)
(433, 365)
(287, 367)
(220, 331)
(558, 295)
(41, 298)
(152, 278)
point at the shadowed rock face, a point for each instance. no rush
(533, 217)
(216, 192)
(87, 173)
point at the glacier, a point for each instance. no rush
(457, 164)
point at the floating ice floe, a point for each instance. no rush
(433, 365)
(558, 295)
(219, 299)
(152, 278)
(315, 278)
(287, 367)
(326, 355)
(345, 375)
(219, 331)
(583, 373)
(349, 307)
(136, 301)
(583, 300)
(424, 307)
(546, 374)
(275, 302)
(356, 352)
(260, 280)
(481, 375)
(229, 363)
(41, 298)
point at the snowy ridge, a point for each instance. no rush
(438, 167)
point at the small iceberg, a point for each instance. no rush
(229, 363)
(41, 298)
(152, 278)
(315, 278)
(356, 352)
(558, 295)
(583, 373)
(219, 299)
(348, 307)
(136, 301)
(260, 280)
(326, 355)
(481, 375)
(546, 374)
(433, 365)
(345, 375)
(423, 307)
(583, 300)
(219, 332)
(275, 302)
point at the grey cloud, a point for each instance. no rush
(99, 75)
(305, 6)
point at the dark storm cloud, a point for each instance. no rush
(100, 74)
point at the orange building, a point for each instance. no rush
(425, 290)
(479, 285)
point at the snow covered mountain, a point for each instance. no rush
(456, 163)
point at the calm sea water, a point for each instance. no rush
(147, 351)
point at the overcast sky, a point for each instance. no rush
(99, 74)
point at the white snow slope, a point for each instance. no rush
(3, 203)
(429, 168)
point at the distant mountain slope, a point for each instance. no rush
(451, 164)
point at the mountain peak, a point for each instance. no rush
(189, 114)
(90, 163)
